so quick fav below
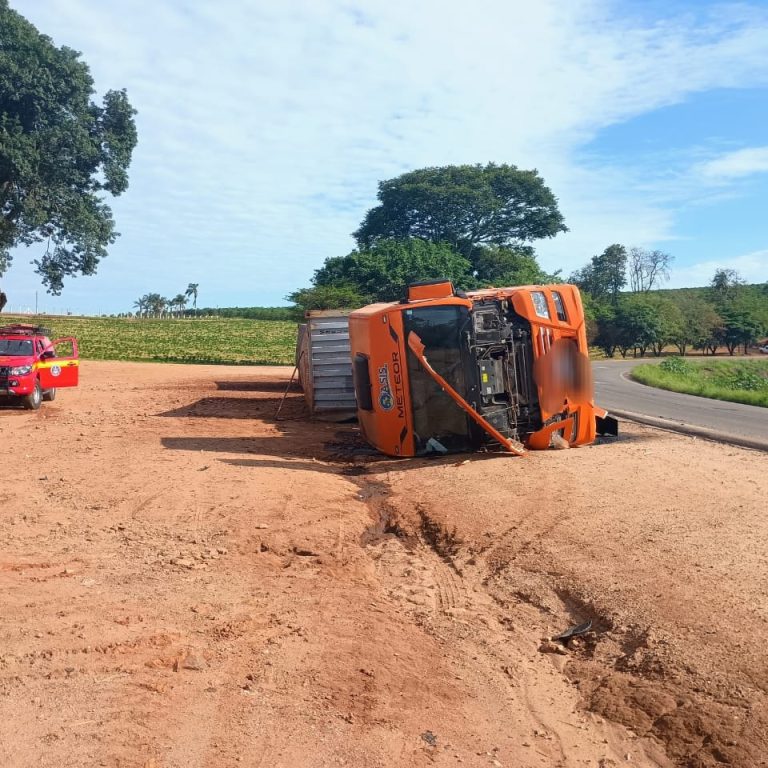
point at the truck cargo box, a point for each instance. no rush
(324, 363)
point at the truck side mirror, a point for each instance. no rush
(49, 353)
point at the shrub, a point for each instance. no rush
(677, 365)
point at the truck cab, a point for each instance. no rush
(32, 367)
(442, 372)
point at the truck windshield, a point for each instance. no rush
(439, 424)
(15, 347)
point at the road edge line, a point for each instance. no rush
(689, 429)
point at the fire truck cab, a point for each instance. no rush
(32, 367)
(443, 371)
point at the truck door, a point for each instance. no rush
(59, 364)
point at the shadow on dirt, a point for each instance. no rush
(303, 443)
(343, 452)
(257, 386)
(263, 408)
(264, 446)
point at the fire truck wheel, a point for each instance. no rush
(49, 394)
(33, 400)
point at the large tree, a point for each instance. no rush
(639, 327)
(699, 322)
(605, 275)
(466, 206)
(726, 286)
(647, 268)
(742, 308)
(59, 153)
(740, 327)
(383, 272)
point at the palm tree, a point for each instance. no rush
(179, 301)
(155, 304)
(142, 305)
(192, 291)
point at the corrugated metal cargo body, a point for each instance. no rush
(324, 362)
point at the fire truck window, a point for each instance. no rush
(540, 303)
(15, 347)
(435, 415)
(560, 307)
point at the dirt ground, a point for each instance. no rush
(187, 581)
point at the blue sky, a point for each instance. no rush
(264, 128)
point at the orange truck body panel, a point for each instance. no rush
(517, 355)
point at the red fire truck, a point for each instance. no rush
(32, 367)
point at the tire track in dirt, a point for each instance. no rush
(625, 671)
(412, 548)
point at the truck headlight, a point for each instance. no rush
(21, 370)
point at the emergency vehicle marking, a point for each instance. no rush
(55, 370)
(56, 364)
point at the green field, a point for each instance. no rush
(739, 381)
(220, 341)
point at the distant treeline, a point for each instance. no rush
(248, 313)
(727, 313)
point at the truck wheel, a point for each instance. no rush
(49, 394)
(33, 400)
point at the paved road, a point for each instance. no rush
(746, 424)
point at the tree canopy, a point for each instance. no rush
(59, 153)
(325, 297)
(501, 266)
(383, 272)
(468, 223)
(605, 275)
(725, 285)
(465, 206)
(647, 268)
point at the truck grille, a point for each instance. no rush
(4, 370)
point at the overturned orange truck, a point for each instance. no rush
(443, 371)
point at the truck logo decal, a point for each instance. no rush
(386, 401)
(55, 370)
(397, 374)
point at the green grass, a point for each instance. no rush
(738, 381)
(230, 341)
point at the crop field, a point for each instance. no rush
(739, 381)
(230, 341)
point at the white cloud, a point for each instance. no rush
(264, 127)
(741, 162)
(752, 267)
